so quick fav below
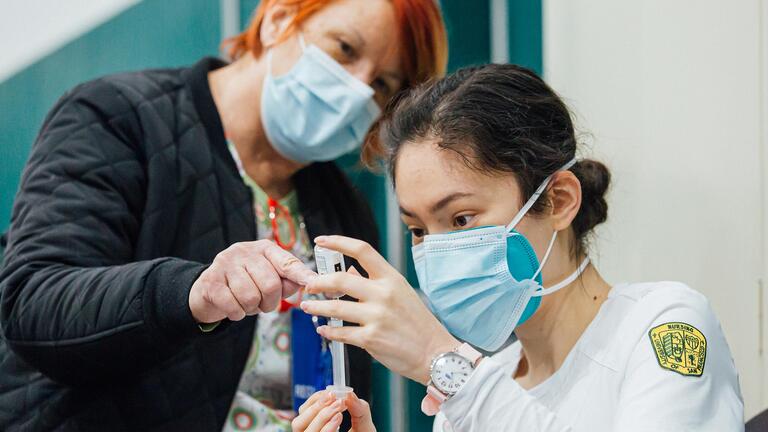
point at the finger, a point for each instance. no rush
(289, 287)
(353, 271)
(364, 253)
(348, 334)
(302, 421)
(222, 299)
(338, 284)
(287, 265)
(317, 397)
(267, 281)
(325, 415)
(243, 290)
(342, 309)
(360, 412)
(333, 424)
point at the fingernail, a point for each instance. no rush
(320, 239)
(308, 280)
(336, 418)
(337, 404)
(320, 330)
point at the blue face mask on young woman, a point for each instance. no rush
(317, 111)
(483, 282)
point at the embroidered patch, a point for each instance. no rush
(679, 347)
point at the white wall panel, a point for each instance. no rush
(669, 94)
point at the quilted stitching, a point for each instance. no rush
(96, 333)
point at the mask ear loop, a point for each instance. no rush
(535, 197)
(546, 255)
(565, 282)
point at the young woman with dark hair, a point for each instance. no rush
(501, 207)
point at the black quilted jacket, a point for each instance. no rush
(128, 192)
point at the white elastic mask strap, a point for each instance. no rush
(546, 255)
(535, 197)
(565, 282)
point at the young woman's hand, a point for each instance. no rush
(396, 328)
(322, 413)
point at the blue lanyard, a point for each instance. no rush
(311, 361)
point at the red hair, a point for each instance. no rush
(420, 23)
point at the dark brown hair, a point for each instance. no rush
(498, 119)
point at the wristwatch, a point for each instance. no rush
(447, 374)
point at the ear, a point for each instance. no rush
(277, 18)
(565, 199)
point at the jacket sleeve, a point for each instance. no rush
(73, 302)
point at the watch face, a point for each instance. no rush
(450, 372)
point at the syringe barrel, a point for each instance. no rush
(329, 261)
(338, 357)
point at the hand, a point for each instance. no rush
(245, 279)
(322, 413)
(396, 328)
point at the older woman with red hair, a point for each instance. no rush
(164, 221)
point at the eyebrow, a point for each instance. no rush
(360, 39)
(440, 204)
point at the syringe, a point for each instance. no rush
(330, 261)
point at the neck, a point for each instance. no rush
(236, 91)
(550, 334)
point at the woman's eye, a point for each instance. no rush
(417, 232)
(347, 49)
(381, 86)
(462, 221)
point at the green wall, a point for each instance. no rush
(153, 33)
(524, 21)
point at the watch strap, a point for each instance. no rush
(434, 398)
(465, 350)
(431, 403)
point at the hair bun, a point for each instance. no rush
(595, 179)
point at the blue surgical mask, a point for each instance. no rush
(483, 282)
(317, 111)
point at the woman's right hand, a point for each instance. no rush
(322, 413)
(245, 279)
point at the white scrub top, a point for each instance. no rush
(653, 359)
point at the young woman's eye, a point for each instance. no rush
(416, 232)
(462, 221)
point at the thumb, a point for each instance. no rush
(360, 412)
(288, 266)
(290, 288)
(353, 271)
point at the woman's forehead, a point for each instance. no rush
(372, 20)
(370, 25)
(424, 170)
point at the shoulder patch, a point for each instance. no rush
(679, 347)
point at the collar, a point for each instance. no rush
(197, 80)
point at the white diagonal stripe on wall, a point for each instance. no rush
(32, 29)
